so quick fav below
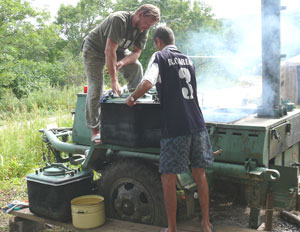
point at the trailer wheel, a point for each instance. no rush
(133, 192)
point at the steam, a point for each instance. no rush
(229, 72)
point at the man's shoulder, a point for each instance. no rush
(122, 15)
(157, 56)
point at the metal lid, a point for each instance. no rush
(54, 171)
(58, 174)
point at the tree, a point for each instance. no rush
(76, 22)
(11, 15)
(28, 43)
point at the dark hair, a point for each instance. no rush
(165, 34)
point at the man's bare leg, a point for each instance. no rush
(169, 187)
(203, 193)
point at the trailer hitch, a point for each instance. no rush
(266, 174)
(261, 172)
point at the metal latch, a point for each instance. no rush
(250, 164)
(295, 164)
(275, 135)
(288, 128)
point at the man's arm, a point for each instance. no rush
(142, 88)
(111, 63)
(136, 52)
(150, 78)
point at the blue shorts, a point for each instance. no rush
(177, 153)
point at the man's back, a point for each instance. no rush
(177, 89)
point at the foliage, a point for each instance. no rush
(48, 99)
(20, 142)
(76, 22)
(28, 47)
(32, 51)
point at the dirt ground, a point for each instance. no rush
(222, 213)
(227, 213)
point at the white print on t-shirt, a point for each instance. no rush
(127, 43)
(184, 73)
(179, 61)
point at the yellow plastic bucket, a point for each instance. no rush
(88, 211)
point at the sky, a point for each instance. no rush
(222, 8)
(236, 8)
(52, 5)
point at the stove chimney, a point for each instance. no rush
(270, 28)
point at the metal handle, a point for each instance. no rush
(272, 174)
(81, 212)
(275, 134)
(288, 129)
(266, 174)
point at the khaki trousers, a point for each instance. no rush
(94, 65)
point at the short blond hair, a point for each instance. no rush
(149, 10)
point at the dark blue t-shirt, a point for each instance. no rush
(177, 90)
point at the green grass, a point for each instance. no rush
(45, 101)
(21, 146)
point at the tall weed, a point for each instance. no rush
(48, 100)
(21, 146)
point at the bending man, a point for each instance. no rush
(108, 44)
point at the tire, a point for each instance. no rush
(133, 192)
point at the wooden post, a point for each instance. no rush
(269, 212)
(254, 220)
(190, 203)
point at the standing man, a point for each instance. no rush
(184, 136)
(108, 44)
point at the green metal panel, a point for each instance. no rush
(285, 190)
(284, 136)
(279, 160)
(80, 134)
(291, 155)
(278, 139)
(152, 150)
(238, 144)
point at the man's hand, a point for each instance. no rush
(116, 87)
(119, 65)
(140, 90)
(129, 101)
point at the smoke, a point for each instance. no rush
(228, 63)
(290, 32)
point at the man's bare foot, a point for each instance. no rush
(208, 228)
(96, 137)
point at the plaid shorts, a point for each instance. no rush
(177, 153)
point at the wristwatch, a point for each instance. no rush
(132, 98)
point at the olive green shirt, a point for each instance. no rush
(118, 27)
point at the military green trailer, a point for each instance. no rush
(260, 147)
